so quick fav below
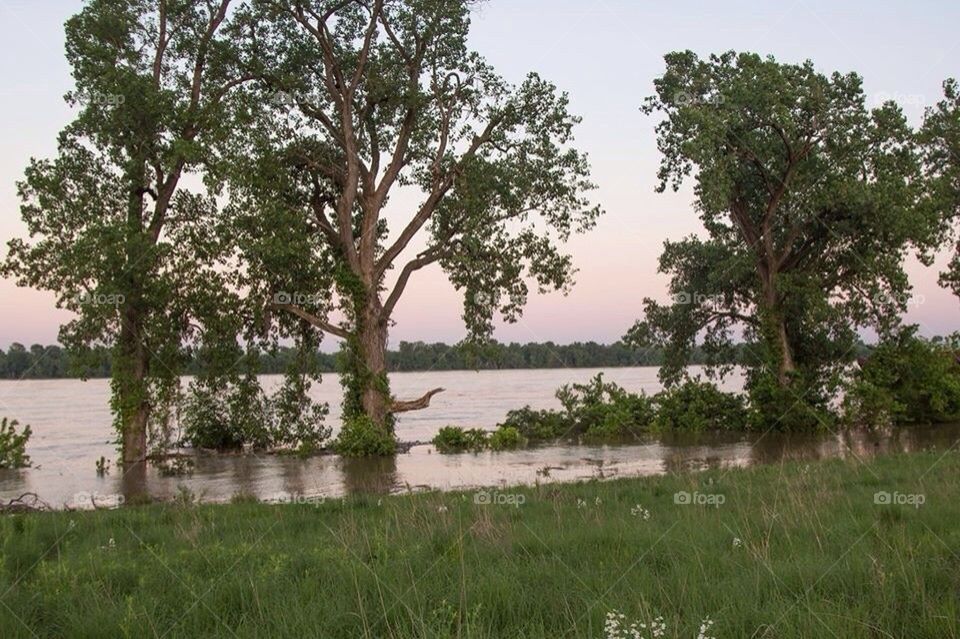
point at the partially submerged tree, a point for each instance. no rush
(940, 138)
(113, 232)
(363, 101)
(809, 201)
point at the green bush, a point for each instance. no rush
(604, 410)
(13, 445)
(803, 407)
(223, 416)
(698, 406)
(906, 380)
(207, 419)
(454, 439)
(505, 438)
(361, 437)
(537, 425)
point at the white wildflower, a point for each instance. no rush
(705, 626)
(640, 511)
(737, 542)
(581, 504)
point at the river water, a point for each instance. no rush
(72, 429)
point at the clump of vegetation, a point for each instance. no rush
(595, 410)
(505, 438)
(360, 436)
(13, 445)
(454, 439)
(537, 425)
(228, 417)
(604, 410)
(698, 406)
(906, 380)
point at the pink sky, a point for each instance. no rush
(606, 54)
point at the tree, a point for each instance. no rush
(809, 201)
(940, 137)
(362, 101)
(113, 231)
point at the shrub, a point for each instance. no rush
(207, 420)
(224, 416)
(505, 438)
(361, 437)
(604, 410)
(454, 439)
(13, 445)
(698, 406)
(802, 407)
(537, 425)
(906, 380)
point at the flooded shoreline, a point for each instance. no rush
(72, 429)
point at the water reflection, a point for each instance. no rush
(67, 441)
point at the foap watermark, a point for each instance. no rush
(696, 498)
(86, 499)
(884, 498)
(900, 299)
(296, 499)
(100, 299)
(297, 299)
(494, 498)
(903, 99)
(684, 98)
(99, 97)
(686, 297)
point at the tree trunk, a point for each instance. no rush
(777, 330)
(130, 377)
(374, 391)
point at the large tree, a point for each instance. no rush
(361, 101)
(940, 137)
(809, 202)
(113, 232)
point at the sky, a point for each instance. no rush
(605, 54)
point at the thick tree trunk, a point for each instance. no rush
(375, 392)
(131, 387)
(777, 331)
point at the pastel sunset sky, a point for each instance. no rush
(605, 53)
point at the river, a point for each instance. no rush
(72, 429)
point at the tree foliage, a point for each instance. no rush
(114, 230)
(360, 102)
(940, 139)
(810, 202)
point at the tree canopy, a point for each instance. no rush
(810, 202)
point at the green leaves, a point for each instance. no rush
(810, 202)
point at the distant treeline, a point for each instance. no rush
(45, 362)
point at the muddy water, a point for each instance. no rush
(72, 429)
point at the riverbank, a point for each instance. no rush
(793, 550)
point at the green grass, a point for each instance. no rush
(818, 559)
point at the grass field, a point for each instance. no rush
(779, 551)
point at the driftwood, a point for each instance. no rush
(414, 404)
(25, 503)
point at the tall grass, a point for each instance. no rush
(790, 551)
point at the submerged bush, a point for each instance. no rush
(361, 437)
(13, 445)
(537, 425)
(505, 438)
(454, 439)
(595, 410)
(906, 380)
(698, 406)
(604, 410)
(223, 416)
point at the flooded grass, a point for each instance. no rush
(805, 549)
